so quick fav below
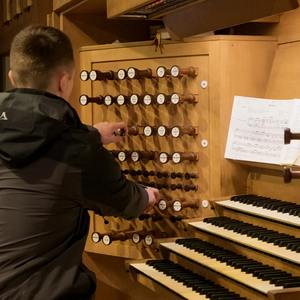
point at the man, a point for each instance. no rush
(52, 169)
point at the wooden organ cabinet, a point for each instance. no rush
(206, 239)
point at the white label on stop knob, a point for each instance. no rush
(176, 157)
(160, 99)
(205, 203)
(175, 71)
(131, 73)
(175, 132)
(162, 204)
(160, 72)
(84, 75)
(93, 75)
(136, 238)
(122, 156)
(147, 99)
(161, 130)
(147, 131)
(177, 206)
(134, 99)
(106, 240)
(107, 100)
(148, 239)
(121, 74)
(135, 156)
(175, 98)
(163, 157)
(96, 237)
(83, 100)
(120, 99)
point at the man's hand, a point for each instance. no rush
(111, 132)
(153, 198)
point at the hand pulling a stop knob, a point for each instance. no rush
(111, 132)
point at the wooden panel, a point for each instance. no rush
(273, 186)
(289, 26)
(113, 281)
(290, 294)
(63, 5)
(118, 7)
(33, 12)
(230, 65)
(7, 10)
(214, 14)
(284, 78)
(53, 20)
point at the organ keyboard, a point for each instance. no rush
(273, 209)
(183, 282)
(238, 267)
(265, 240)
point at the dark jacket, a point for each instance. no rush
(52, 170)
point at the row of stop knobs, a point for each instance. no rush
(162, 157)
(160, 174)
(134, 73)
(137, 237)
(175, 131)
(134, 99)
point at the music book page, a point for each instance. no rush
(256, 131)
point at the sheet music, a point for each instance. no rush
(256, 131)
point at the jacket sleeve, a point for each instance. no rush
(103, 188)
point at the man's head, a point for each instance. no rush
(41, 58)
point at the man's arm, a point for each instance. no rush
(103, 187)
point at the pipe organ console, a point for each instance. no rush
(199, 243)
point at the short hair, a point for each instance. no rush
(36, 53)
